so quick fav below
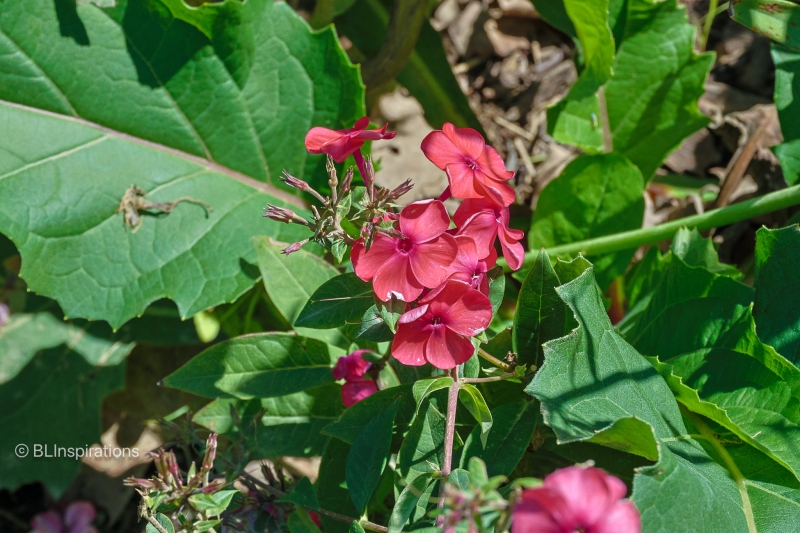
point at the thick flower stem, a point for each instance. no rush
(449, 435)
(768, 203)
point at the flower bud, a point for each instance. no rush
(291, 181)
(292, 248)
(281, 214)
(211, 453)
(401, 189)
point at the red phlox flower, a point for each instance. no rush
(469, 267)
(483, 221)
(76, 518)
(356, 390)
(404, 266)
(351, 366)
(438, 331)
(473, 169)
(576, 499)
(340, 144)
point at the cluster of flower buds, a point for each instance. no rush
(413, 256)
(352, 369)
(169, 478)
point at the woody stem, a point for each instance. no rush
(449, 435)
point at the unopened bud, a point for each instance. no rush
(292, 248)
(172, 466)
(211, 453)
(401, 189)
(291, 181)
(369, 177)
(141, 483)
(281, 214)
(346, 181)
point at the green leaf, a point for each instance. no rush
(184, 117)
(497, 287)
(787, 85)
(595, 195)
(53, 379)
(355, 527)
(651, 97)
(300, 522)
(273, 427)
(357, 416)
(541, 315)
(471, 397)
(373, 327)
(165, 522)
(590, 18)
(777, 285)
(368, 456)
(406, 502)
(331, 486)
(422, 448)
(213, 504)
(302, 494)
(257, 366)
(427, 75)
(592, 381)
(775, 19)
(512, 431)
(696, 251)
(424, 387)
(716, 365)
(339, 301)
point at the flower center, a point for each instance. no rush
(436, 320)
(471, 163)
(404, 245)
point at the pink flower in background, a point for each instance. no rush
(484, 221)
(5, 315)
(405, 266)
(340, 144)
(576, 499)
(438, 331)
(469, 267)
(76, 518)
(352, 368)
(473, 169)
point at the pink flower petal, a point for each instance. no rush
(424, 220)
(492, 165)
(395, 277)
(356, 390)
(586, 491)
(468, 141)
(431, 260)
(413, 315)
(440, 150)
(462, 181)
(623, 518)
(482, 228)
(445, 296)
(445, 349)
(513, 252)
(360, 124)
(541, 510)
(47, 522)
(351, 366)
(366, 264)
(470, 315)
(318, 137)
(499, 193)
(78, 516)
(408, 345)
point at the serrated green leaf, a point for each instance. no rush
(696, 251)
(777, 285)
(541, 315)
(183, 118)
(165, 522)
(595, 195)
(302, 494)
(471, 397)
(213, 504)
(652, 96)
(406, 502)
(591, 379)
(368, 456)
(427, 74)
(787, 85)
(348, 426)
(53, 379)
(263, 365)
(339, 301)
(512, 431)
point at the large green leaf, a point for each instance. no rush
(652, 96)
(339, 301)
(263, 365)
(331, 485)
(776, 19)
(54, 377)
(595, 195)
(94, 100)
(595, 386)
(284, 425)
(787, 86)
(349, 426)
(700, 327)
(427, 75)
(777, 285)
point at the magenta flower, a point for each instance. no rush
(352, 369)
(438, 331)
(469, 267)
(405, 266)
(576, 499)
(473, 169)
(76, 518)
(356, 390)
(484, 221)
(340, 144)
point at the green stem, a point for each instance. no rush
(755, 207)
(709, 20)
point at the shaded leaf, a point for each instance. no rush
(339, 301)
(348, 426)
(787, 85)
(368, 456)
(302, 494)
(406, 502)
(331, 486)
(471, 397)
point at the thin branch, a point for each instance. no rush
(608, 141)
(449, 435)
(494, 360)
(489, 379)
